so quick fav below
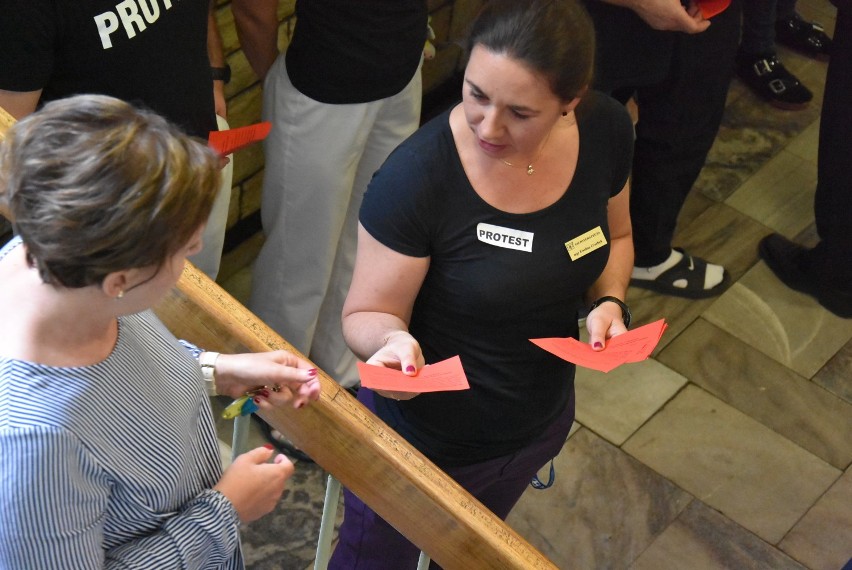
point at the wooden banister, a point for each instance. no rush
(351, 443)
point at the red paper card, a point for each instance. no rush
(439, 377)
(633, 346)
(232, 140)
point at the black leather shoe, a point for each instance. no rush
(768, 78)
(808, 38)
(785, 259)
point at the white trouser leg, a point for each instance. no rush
(213, 238)
(314, 157)
(397, 117)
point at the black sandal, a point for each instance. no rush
(691, 271)
(282, 444)
(808, 38)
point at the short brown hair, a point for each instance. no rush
(95, 185)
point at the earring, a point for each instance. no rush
(120, 294)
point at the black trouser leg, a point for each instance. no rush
(678, 121)
(831, 260)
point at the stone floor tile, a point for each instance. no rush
(760, 387)
(836, 376)
(823, 538)
(782, 323)
(615, 404)
(820, 11)
(603, 511)
(752, 132)
(780, 194)
(806, 143)
(703, 539)
(732, 462)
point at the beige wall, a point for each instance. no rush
(449, 21)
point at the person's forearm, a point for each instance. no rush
(216, 55)
(256, 22)
(666, 15)
(616, 275)
(367, 332)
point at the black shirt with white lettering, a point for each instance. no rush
(152, 53)
(486, 293)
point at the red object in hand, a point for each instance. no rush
(710, 8)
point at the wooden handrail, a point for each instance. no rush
(355, 446)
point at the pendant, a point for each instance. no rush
(530, 170)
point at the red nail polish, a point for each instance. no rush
(269, 446)
(598, 345)
(264, 393)
(256, 400)
(410, 368)
(312, 372)
(300, 405)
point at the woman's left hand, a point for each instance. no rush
(402, 352)
(278, 377)
(604, 321)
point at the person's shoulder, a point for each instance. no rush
(598, 111)
(597, 104)
(424, 148)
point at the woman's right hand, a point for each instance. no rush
(402, 352)
(253, 485)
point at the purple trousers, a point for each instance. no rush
(367, 542)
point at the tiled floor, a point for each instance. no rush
(731, 447)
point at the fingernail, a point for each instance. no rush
(264, 393)
(312, 372)
(256, 399)
(598, 345)
(269, 446)
(410, 368)
(300, 405)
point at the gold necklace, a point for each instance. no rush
(530, 169)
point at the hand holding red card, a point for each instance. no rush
(438, 377)
(633, 346)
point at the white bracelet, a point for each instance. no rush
(207, 360)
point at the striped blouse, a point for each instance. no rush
(112, 465)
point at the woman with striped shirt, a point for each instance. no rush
(109, 452)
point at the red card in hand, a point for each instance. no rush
(710, 8)
(439, 377)
(232, 140)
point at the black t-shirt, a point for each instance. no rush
(152, 53)
(483, 301)
(355, 52)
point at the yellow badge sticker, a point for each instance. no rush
(585, 243)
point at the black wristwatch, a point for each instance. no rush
(625, 311)
(221, 73)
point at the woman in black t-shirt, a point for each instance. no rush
(493, 224)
